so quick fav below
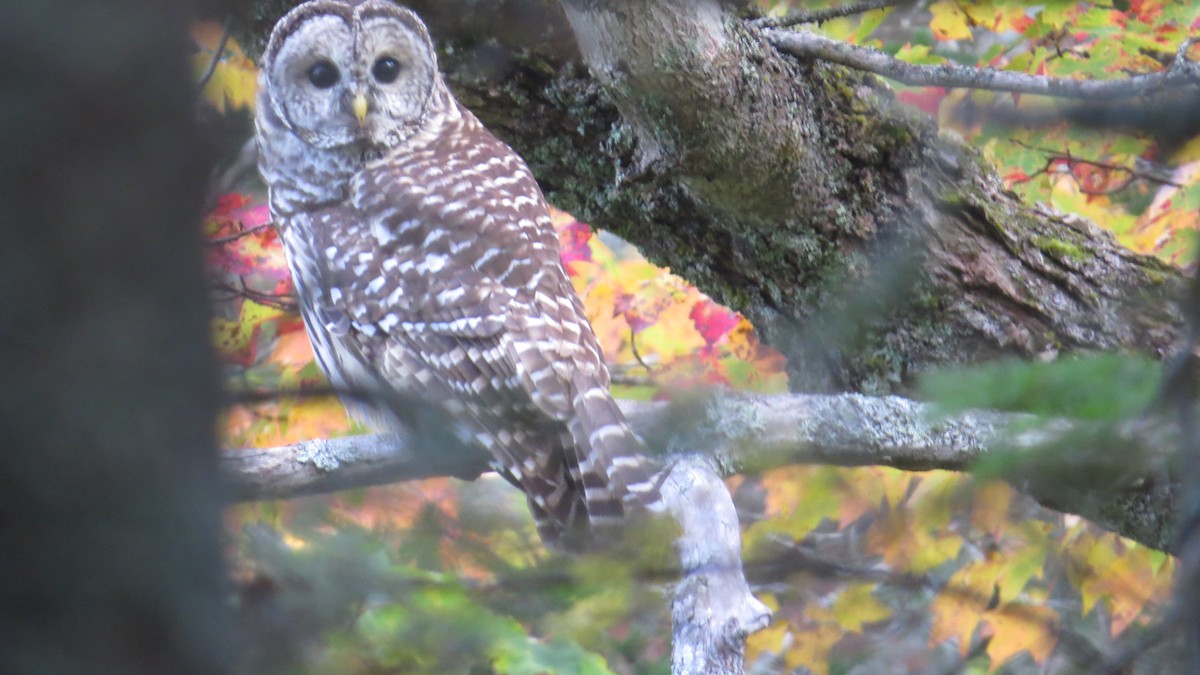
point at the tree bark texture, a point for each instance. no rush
(110, 560)
(863, 243)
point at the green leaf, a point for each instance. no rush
(870, 21)
(1102, 387)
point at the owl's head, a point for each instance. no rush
(345, 72)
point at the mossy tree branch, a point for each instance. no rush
(859, 240)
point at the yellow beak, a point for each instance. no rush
(359, 106)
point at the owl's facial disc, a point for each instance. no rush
(397, 69)
(312, 76)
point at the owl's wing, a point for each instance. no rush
(436, 293)
(432, 246)
(450, 277)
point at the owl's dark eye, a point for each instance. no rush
(323, 75)
(386, 70)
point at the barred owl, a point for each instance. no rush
(425, 261)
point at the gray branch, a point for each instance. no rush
(849, 430)
(822, 15)
(759, 432)
(1182, 72)
(712, 610)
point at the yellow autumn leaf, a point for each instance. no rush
(954, 617)
(1089, 558)
(907, 543)
(769, 640)
(1007, 17)
(1066, 195)
(989, 513)
(798, 499)
(229, 338)
(233, 338)
(811, 648)
(962, 604)
(1016, 566)
(1189, 152)
(857, 606)
(1133, 583)
(1018, 627)
(949, 22)
(934, 497)
(897, 484)
(862, 495)
(1164, 226)
(302, 420)
(935, 551)
(234, 79)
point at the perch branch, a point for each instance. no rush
(752, 433)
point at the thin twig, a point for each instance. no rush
(1054, 156)
(283, 302)
(253, 396)
(1182, 72)
(226, 31)
(638, 357)
(239, 234)
(823, 15)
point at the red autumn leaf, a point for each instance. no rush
(712, 320)
(227, 204)
(290, 323)
(927, 99)
(1022, 23)
(254, 216)
(256, 252)
(243, 244)
(639, 311)
(1147, 11)
(574, 238)
(1016, 176)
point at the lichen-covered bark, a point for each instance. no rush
(863, 243)
(859, 240)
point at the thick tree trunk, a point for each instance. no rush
(110, 560)
(862, 243)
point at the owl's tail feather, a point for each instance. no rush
(582, 495)
(615, 474)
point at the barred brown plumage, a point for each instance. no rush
(425, 261)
